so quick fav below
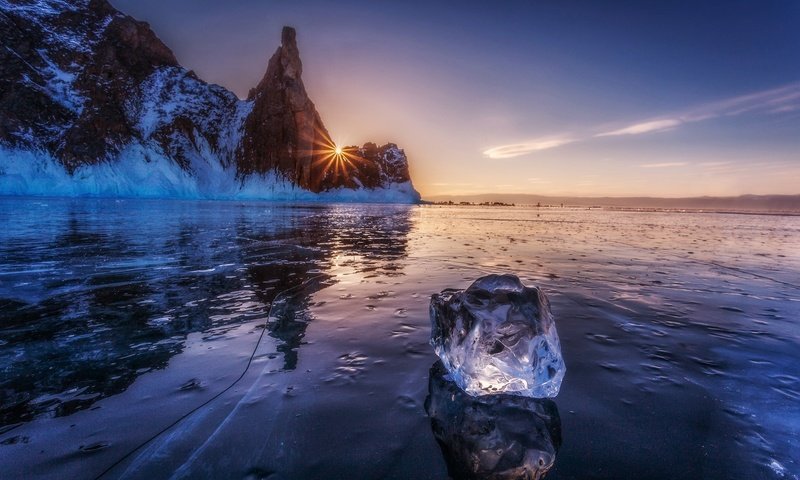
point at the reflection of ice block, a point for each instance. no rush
(492, 436)
(498, 336)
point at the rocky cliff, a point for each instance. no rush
(92, 102)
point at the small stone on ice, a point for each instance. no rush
(498, 336)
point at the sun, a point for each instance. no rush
(335, 160)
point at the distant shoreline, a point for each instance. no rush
(753, 204)
(777, 213)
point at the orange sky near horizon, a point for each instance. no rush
(538, 98)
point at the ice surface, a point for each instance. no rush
(492, 436)
(84, 284)
(498, 336)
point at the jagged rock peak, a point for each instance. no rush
(284, 64)
(289, 54)
(284, 132)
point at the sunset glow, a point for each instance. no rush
(481, 108)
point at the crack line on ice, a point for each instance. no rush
(210, 400)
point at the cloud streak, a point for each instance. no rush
(644, 127)
(766, 102)
(517, 149)
(664, 165)
(776, 100)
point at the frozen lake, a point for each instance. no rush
(133, 340)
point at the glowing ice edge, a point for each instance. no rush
(141, 172)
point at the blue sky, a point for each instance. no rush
(561, 97)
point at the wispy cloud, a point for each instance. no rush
(776, 100)
(664, 165)
(644, 127)
(517, 149)
(538, 180)
(713, 164)
(788, 168)
(773, 101)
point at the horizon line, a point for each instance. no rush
(617, 196)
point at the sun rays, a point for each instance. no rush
(338, 161)
(331, 159)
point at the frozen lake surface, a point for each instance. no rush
(189, 339)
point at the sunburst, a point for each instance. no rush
(331, 158)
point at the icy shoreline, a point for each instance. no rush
(137, 173)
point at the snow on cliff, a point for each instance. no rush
(93, 103)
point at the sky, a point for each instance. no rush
(584, 98)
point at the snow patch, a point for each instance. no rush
(776, 467)
(171, 92)
(45, 12)
(231, 137)
(43, 8)
(59, 84)
(395, 156)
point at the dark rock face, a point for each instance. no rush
(83, 83)
(368, 166)
(284, 131)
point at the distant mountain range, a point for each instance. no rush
(743, 203)
(92, 102)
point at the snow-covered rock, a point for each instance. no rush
(93, 103)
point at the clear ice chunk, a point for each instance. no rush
(498, 336)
